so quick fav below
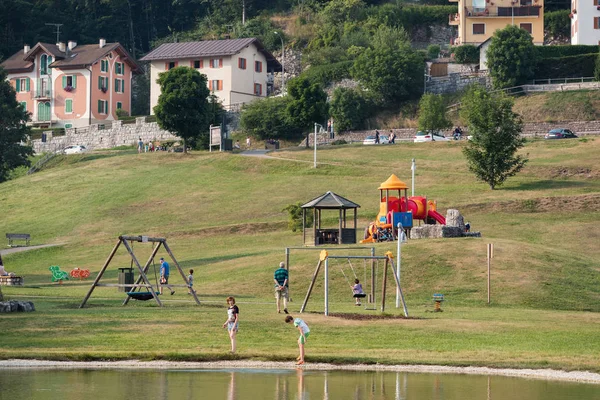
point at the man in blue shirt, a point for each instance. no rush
(281, 286)
(164, 276)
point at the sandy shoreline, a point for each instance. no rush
(545, 374)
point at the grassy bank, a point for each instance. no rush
(222, 216)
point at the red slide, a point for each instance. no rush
(437, 216)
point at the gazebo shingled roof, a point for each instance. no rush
(330, 200)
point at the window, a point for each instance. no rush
(24, 105)
(104, 65)
(215, 85)
(596, 22)
(102, 107)
(171, 65)
(257, 66)
(257, 89)
(526, 26)
(119, 105)
(68, 106)
(119, 85)
(242, 63)
(120, 68)
(22, 85)
(478, 29)
(103, 83)
(45, 61)
(69, 82)
(216, 62)
(198, 64)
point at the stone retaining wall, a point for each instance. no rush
(16, 306)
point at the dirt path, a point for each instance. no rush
(25, 248)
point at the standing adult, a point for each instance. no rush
(280, 278)
(376, 136)
(140, 145)
(248, 142)
(392, 137)
(164, 276)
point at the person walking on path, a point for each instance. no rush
(164, 276)
(140, 145)
(280, 278)
(376, 136)
(304, 333)
(232, 322)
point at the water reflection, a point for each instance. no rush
(278, 385)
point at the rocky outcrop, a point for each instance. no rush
(455, 227)
(16, 306)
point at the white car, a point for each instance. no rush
(430, 137)
(383, 139)
(74, 149)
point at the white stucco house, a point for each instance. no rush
(238, 70)
(585, 22)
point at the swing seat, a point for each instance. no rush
(360, 295)
(143, 296)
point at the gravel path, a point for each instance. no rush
(545, 374)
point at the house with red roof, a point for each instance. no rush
(66, 85)
(237, 70)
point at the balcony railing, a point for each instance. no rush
(519, 11)
(454, 19)
(43, 89)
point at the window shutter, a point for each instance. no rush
(220, 63)
(69, 106)
(74, 79)
(28, 84)
(107, 84)
(166, 66)
(201, 63)
(64, 80)
(18, 85)
(219, 85)
(99, 82)
(116, 85)
(99, 106)
(239, 63)
(596, 22)
(122, 85)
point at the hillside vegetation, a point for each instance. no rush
(222, 215)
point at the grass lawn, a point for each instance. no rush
(222, 216)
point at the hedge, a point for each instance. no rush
(545, 52)
(37, 133)
(567, 67)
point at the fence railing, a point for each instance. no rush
(561, 80)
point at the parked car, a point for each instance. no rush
(74, 149)
(560, 133)
(430, 137)
(383, 139)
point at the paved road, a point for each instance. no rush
(25, 248)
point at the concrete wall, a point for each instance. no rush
(116, 134)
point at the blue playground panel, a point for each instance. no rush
(404, 218)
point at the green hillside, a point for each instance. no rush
(222, 215)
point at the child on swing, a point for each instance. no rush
(358, 291)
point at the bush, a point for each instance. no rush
(295, 217)
(338, 142)
(433, 51)
(268, 119)
(122, 113)
(466, 54)
(327, 73)
(566, 67)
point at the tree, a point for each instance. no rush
(511, 57)
(496, 136)
(268, 119)
(466, 54)
(183, 107)
(432, 113)
(308, 104)
(391, 68)
(349, 109)
(13, 130)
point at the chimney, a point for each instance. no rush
(102, 42)
(61, 46)
(72, 44)
(26, 49)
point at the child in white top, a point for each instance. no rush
(304, 333)
(191, 281)
(358, 291)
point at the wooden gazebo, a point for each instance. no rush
(340, 235)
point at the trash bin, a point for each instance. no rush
(227, 144)
(125, 277)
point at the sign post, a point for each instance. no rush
(216, 138)
(490, 255)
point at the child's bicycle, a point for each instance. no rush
(385, 235)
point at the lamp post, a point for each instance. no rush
(315, 145)
(282, 63)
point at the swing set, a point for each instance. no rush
(324, 259)
(135, 290)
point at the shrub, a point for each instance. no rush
(466, 54)
(295, 217)
(433, 51)
(268, 119)
(327, 73)
(566, 67)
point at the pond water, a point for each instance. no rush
(240, 384)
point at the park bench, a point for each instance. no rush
(20, 236)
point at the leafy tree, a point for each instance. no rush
(511, 57)
(13, 130)
(391, 68)
(295, 217)
(183, 106)
(308, 104)
(433, 51)
(268, 119)
(466, 54)
(432, 113)
(557, 23)
(349, 109)
(496, 136)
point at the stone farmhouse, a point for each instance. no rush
(238, 70)
(477, 20)
(66, 85)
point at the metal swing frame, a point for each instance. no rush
(125, 240)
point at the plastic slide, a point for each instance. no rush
(437, 216)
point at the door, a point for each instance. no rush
(44, 111)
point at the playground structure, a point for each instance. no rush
(324, 258)
(151, 290)
(396, 207)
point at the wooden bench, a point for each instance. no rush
(21, 236)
